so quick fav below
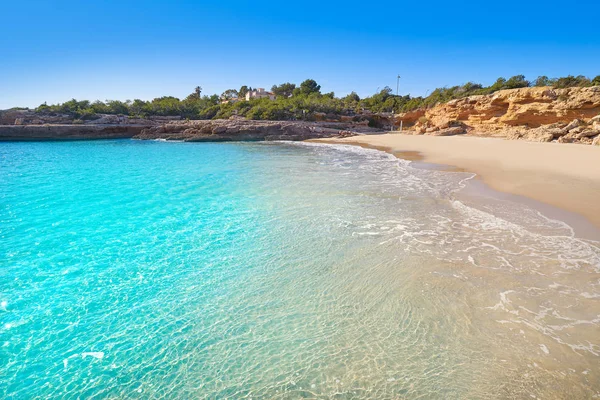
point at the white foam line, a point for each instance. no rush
(521, 231)
(580, 251)
(351, 149)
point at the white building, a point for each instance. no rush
(260, 93)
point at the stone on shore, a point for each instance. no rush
(455, 130)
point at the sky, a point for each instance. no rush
(52, 51)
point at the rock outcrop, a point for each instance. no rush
(31, 117)
(68, 132)
(243, 130)
(115, 127)
(570, 115)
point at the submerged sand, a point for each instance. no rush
(562, 175)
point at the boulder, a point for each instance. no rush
(572, 125)
(219, 129)
(566, 139)
(586, 133)
(344, 134)
(540, 136)
(445, 124)
(106, 119)
(555, 132)
(455, 130)
(577, 130)
(544, 132)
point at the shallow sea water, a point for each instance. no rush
(134, 269)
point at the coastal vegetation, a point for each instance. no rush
(292, 102)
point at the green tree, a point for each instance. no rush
(73, 106)
(471, 87)
(515, 82)
(229, 94)
(309, 86)
(572, 81)
(283, 90)
(43, 107)
(352, 97)
(166, 105)
(139, 107)
(498, 85)
(596, 81)
(100, 107)
(543, 81)
(243, 90)
(195, 95)
(117, 107)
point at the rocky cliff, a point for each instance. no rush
(197, 131)
(31, 117)
(67, 132)
(246, 130)
(30, 125)
(538, 114)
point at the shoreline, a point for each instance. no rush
(559, 179)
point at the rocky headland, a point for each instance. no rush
(248, 130)
(540, 114)
(29, 125)
(67, 132)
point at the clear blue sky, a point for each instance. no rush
(57, 50)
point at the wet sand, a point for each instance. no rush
(566, 176)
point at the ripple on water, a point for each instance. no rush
(152, 269)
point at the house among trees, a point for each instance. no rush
(260, 93)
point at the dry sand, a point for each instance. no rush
(562, 175)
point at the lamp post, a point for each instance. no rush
(393, 120)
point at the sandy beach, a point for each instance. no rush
(561, 175)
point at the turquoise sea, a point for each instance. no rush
(162, 270)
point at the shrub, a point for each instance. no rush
(515, 82)
(543, 81)
(572, 81)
